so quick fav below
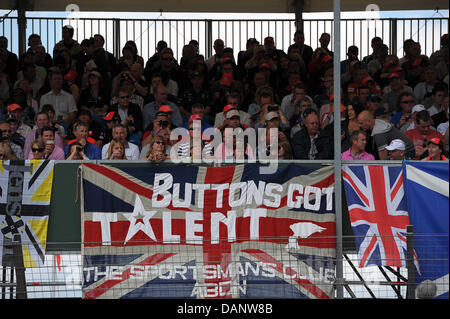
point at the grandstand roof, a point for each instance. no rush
(268, 6)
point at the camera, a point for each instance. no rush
(164, 124)
(124, 76)
(273, 108)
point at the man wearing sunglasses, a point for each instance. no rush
(51, 150)
(130, 114)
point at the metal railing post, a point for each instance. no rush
(393, 45)
(208, 39)
(337, 149)
(116, 40)
(410, 288)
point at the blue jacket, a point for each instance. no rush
(92, 151)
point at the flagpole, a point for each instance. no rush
(337, 147)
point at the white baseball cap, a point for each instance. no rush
(396, 144)
(417, 108)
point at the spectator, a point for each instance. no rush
(9, 58)
(15, 137)
(405, 103)
(264, 95)
(290, 103)
(232, 101)
(380, 134)
(324, 41)
(152, 108)
(160, 46)
(422, 91)
(90, 150)
(312, 143)
(218, 46)
(50, 111)
(37, 149)
(42, 120)
(157, 150)
(116, 150)
(352, 113)
(5, 128)
(437, 94)
(390, 99)
(111, 119)
(52, 151)
(130, 113)
(95, 96)
(396, 150)
(67, 43)
(63, 102)
(95, 128)
(358, 140)
(28, 73)
(197, 93)
(76, 152)
(435, 150)
(6, 152)
(111, 62)
(119, 132)
(15, 111)
(422, 133)
(5, 79)
(305, 50)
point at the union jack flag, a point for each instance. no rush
(277, 241)
(378, 213)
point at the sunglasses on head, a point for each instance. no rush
(34, 150)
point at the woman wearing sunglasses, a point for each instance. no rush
(37, 149)
(157, 151)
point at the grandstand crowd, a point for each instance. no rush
(82, 102)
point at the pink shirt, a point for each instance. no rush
(364, 156)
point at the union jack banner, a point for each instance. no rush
(208, 232)
(378, 213)
(25, 194)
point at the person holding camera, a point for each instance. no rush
(273, 116)
(81, 133)
(76, 152)
(130, 113)
(161, 122)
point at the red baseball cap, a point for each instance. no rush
(366, 79)
(13, 107)
(165, 108)
(109, 116)
(195, 117)
(228, 107)
(435, 141)
(264, 65)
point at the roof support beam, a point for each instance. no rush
(299, 14)
(22, 25)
